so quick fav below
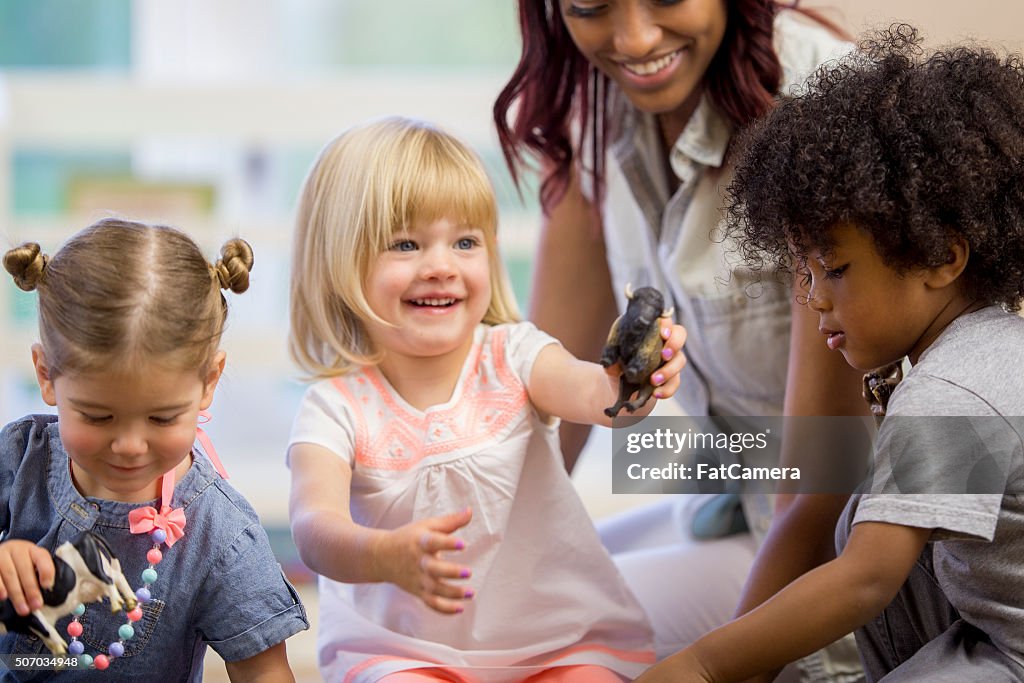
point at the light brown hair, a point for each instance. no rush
(123, 292)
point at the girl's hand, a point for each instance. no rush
(666, 378)
(410, 558)
(20, 562)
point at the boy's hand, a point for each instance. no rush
(20, 562)
(410, 557)
(682, 667)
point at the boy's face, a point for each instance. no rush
(867, 311)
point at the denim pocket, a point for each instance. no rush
(99, 627)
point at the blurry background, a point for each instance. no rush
(206, 114)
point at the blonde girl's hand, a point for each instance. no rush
(410, 557)
(666, 378)
(24, 567)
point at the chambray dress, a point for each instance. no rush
(218, 586)
(547, 593)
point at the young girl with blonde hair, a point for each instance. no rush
(130, 319)
(427, 484)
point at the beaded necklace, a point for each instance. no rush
(166, 526)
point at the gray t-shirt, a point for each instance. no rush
(954, 425)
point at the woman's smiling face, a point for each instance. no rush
(656, 51)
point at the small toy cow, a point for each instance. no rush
(635, 341)
(86, 571)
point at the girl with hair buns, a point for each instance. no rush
(130, 320)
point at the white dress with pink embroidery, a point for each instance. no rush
(547, 593)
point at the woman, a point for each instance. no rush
(630, 106)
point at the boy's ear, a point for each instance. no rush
(948, 272)
(43, 376)
(212, 377)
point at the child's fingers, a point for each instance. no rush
(668, 389)
(439, 569)
(443, 589)
(43, 562)
(443, 605)
(669, 369)
(26, 568)
(431, 543)
(674, 336)
(12, 584)
(451, 522)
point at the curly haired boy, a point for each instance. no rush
(893, 185)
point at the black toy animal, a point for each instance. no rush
(635, 342)
(86, 571)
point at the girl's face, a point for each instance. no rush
(124, 430)
(655, 50)
(433, 284)
(867, 311)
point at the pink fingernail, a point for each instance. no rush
(468, 594)
(464, 573)
(667, 353)
(458, 610)
(666, 332)
(459, 545)
(657, 395)
(659, 378)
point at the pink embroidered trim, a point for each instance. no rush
(481, 407)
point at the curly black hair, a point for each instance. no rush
(915, 151)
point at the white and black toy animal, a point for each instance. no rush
(85, 571)
(635, 342)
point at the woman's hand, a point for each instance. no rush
(410, 558)
(24, 567)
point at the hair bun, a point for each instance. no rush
(233, 268)
(26, 263)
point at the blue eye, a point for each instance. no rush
(403, 245)
(467, 243)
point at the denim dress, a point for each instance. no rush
(218, 586)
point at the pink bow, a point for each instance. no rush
(145, 519)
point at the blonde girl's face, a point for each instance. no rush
(124, 430)
(433, 285)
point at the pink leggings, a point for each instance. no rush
(584, 673)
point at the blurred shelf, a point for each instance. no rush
(79, 111)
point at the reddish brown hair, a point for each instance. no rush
(555, 86)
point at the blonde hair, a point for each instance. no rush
(122, 292)
(368, 183)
